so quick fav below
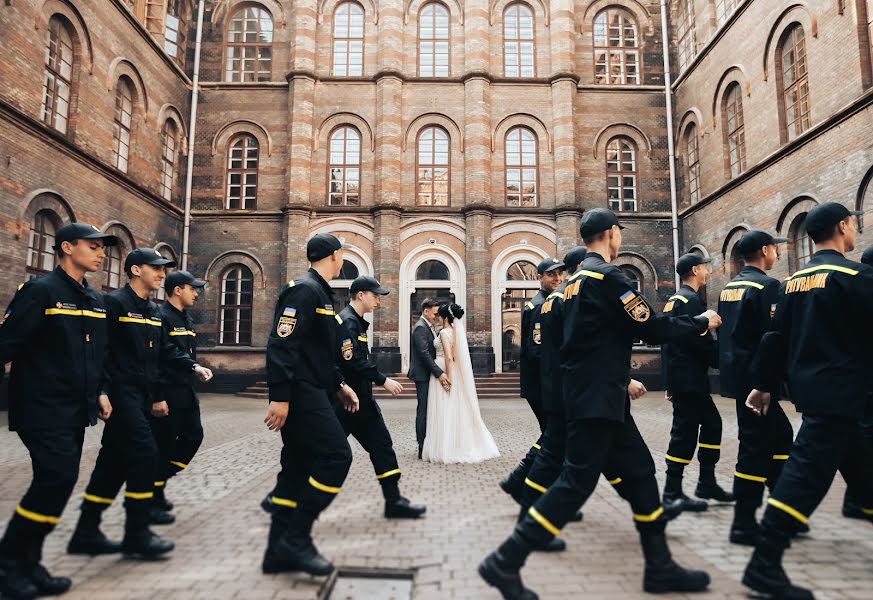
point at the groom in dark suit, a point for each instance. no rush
(422, 364)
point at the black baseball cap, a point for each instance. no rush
(688, 261)
(147, 256)
(322, 245)
(574, 257)
(756, 239)
(365, 283)
(549, 264)
(182, 278)
(596, 220)
(827, 215)
(82, 231)
(867, 256)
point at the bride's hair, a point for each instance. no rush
(450, 312)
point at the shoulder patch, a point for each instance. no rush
(635, 306)
(287, 322)
(669, 306)
(347, 349)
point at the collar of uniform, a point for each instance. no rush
(687, 287)
(136, 299)
(364, 323)
(752, 269)
(592, 255)
(82, 288)
(315, 275)
(169, 306)
(828, 253)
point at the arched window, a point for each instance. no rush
(724, 9)
(348, 40)
(174, 29)
(521, 270)
(58, 77)
(121, 125)
(518, 41)
(41, 256)
(432, 270)
(344, 178)
(249, 51)
(616, 47)
(168, 158)
(242, 173)
(521, 167)
(112, 267)
(433, 41)
(792, 69)
(692, 148)
(734, 129)
(349, 271)
(235, 308)
(802, 246)
(686, 34)
(635, 277)
(434, 172)
(621, 174)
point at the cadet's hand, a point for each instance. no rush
(714, 319)
(636, 389)
(277, 414)
(392, 386)
(104, 408)
(160, 409)
(447, 383)
(758, 402)
(349, 399)
(204, 374)
(668, 395)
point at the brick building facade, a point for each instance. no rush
(452, 144)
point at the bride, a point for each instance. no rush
(455, 430)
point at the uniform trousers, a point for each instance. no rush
(765, 443)
(178, 436)
(368, 427)
(694, 416)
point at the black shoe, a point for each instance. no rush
(92, 543)
(160, 517)
(295, 554)
(672, 510)
(683, 503)
(144, 543)
(403, 509)
(160, 502)
(710, 490)
(577, 516)
(745, 534)
(48, 585)
(851, 509)
(267, 504)
(14, 584)
(662, 574)
(765, 574)
(508, 582)
(802, 529)
(513, 488)
(556, 545)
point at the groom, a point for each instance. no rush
(422, 364)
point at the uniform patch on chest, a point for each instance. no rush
(347, 349)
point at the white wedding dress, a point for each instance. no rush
(455, 430)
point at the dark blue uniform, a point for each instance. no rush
(529, 363)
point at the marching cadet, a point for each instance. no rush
(360, 372)
(175, 418)
(746, 306)
(550, 273)
(128, 451)
(54, 332)
(694, 413)
(603, 315)
(302, 376)
(820, 337)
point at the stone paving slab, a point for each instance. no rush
(220, 532)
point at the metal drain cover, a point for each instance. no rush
(372, 585)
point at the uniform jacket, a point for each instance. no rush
(746, 306)
(422, 359)
(550, 315)
(529, 370)
(687, 359)
(54, 332)
(603, 315)
(179, 383)
(353, 355)
(302, 343)
(820, 336)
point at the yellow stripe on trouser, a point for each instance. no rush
(537, 446)
(283, 502)
(750, 477)
(615, 481)
(322, 487)
(785, 508)
(780, 457)
(160, 483)
(649, 517)
(535, 486)
(178, 464)
(139, 495)
(867, 511)
(543, 521)
(710, 446)
(388, 473)
(98, 499)
(678, 460)
(32, 516)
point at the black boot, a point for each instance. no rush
(290, 546)
(157, 516)
(401, 508)
(139, 540)
(745, 530)
(87, 537)
(160, 500)
(500, 569)
(676, 498)
(513, 484)
(38, 574)
(708, 488)
(851, 509)
(14, 584)
(662, 573)
(765, 574)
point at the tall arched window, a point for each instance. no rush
(521, 270)
(41, 256)
(723, 9)
(122, 124)
(734, 129)
(616, 47)
(58, 77)
(235, 308)
(521, 167)
(112, 267)
(621, 174)
(432, 270)
(344, 174)
(348, 40)
(168, 158)
(433, 176)
(518, 41)
(802, 246)
(242, 173)
(433, 41)
(249, 49)
(692, 148)
(686, 33)
(794, 82)
(635, 277)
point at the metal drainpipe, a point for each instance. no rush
(192, 127)
(671, 145)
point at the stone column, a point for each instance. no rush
(567, 221)
(386, 262)
(296, 230)
(478, 307)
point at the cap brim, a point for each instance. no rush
(554, 267)
(705, 260)
(161, 262)
(856, 213)
(779, 241)
(197, 283)
(381, 291)
(108, 240)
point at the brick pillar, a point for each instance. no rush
(567, 221)
(386, 262)
(477, 105)
(478, 307)
(296, 230)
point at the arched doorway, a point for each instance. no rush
(355, 264)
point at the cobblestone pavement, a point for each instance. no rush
(220, 533)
